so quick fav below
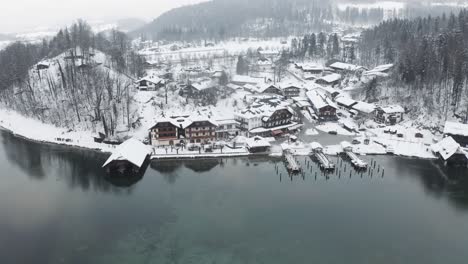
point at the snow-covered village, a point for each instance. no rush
(301, 90)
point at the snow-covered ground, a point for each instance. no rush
(334, 127)
(311, 132)
(169, 153)
(37, 131)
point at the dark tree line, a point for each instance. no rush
(430, 55)
(356, 15)
(221, 19)
(319, 45)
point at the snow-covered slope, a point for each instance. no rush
(79, 93)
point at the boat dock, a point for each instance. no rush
(292, 164)
(325, 163)
(356, 161)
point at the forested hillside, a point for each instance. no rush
(76, 80)
(219, 19)
(431, 56)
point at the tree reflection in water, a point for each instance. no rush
(437, 179)
(79, 168)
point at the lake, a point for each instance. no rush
(57, 206)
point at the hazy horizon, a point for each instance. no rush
(26, 15)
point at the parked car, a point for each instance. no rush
(356, 142)
(419, 135)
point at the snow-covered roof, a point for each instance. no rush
(286, 85)
(364, 107)
(392, 109)
(382, 68)
(261, 110)
(202, 118)
(303, 104)
(316, 145)
(447, 148)
(345, 100)
(245, 79)
(185, 121)
(262, 87)
(346, 145)
(226, 122)
(177, 121)
(151, 79)
(257, 142)
(309, 76)
(203, 85)
(345, 66)
(320, 100)
(328, 89)
(132, 151)
(455, 128)
(379, 70)
(349, 124)
(331, 78)
(311, 67)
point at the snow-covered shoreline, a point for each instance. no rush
(37, 131)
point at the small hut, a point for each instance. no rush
(450, 152)
(346, 146)
(128, 157)
(257, 145)
(316, 147)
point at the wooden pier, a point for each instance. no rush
(325, 163)
(356, 161)
(292, 164)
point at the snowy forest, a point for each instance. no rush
(431, 58)
(253, 18)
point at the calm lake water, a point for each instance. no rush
(56, 206)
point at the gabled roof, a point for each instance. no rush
(364, 107)
(345, 66)
(132, 151)
(319, 100)
(201, 118)
(331, 78)
(457, 129)
(179, 122)
(316, 145)
(151, 79)
(392, 109)
(447, 148)
(286, 85)
(381, 68)
(257, 142)
(311, 67)
(185, 121)
(261, 88)
(203, 85)
(245, 79)
(345, 101)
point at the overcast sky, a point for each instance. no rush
(21, 15)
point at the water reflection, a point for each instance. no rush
(438, 180)
(79, 168)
